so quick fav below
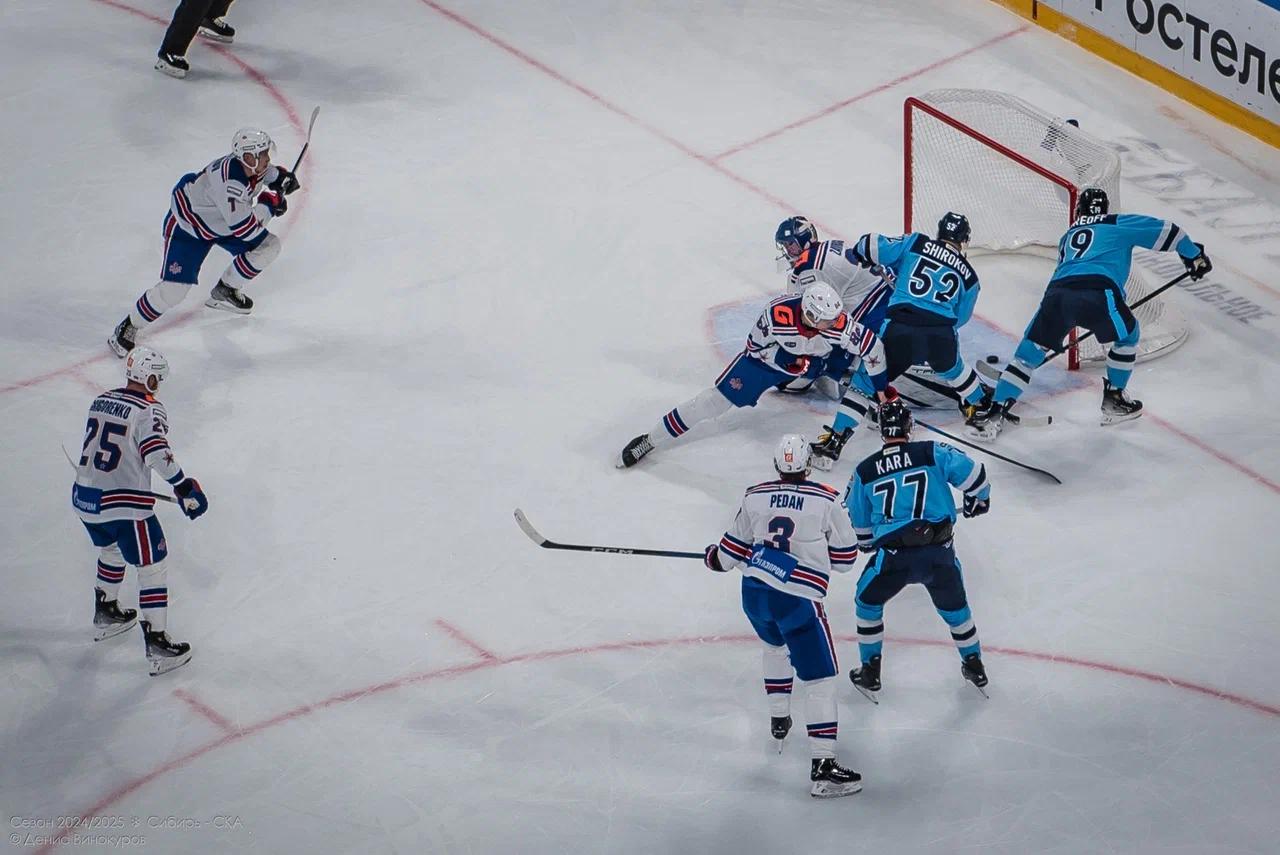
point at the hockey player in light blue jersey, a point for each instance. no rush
(788, 536)
(1087, 290)
(934, 295)
(900, 503)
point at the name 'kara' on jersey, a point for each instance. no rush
(931, 276)
(1103, 245)
(907, 482)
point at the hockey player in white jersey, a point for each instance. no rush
(126, 437)
(228, 203)
(787, 538)
(864, 293)
(804, 336)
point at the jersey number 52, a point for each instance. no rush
(922, 283)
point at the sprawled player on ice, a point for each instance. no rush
(1087, 289)
(787, 537)
(229, 204)
(935, 293)
(797, 336)
(126, 437)
(900, 503)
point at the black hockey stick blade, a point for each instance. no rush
(536, 537)
(998, 456)
(72, 462)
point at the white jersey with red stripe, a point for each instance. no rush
(221, 201)
(781, 338)
(126, 437)
(791, 535)
(830, 262)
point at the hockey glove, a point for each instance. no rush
(191, 498)
(975, 507)
(1199, 266)
(826, 451)
(285, 182)
(711, 558)
(275, 201)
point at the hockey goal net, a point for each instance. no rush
(1015, 172)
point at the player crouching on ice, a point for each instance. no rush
(805, 335)
(228, 204)
(1087, 290)
(787, 538)
(125, 438)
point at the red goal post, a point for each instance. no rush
(1015, 172)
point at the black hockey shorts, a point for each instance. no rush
(1100, 310)
(907, 344)
(935, 567)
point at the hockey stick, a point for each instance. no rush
(1045, 472)
(72, 463)
(1156, 293)
(941, 389)
(536, 537)
(307, 144)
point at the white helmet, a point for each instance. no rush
(144, 363)
(820, 303)
(792, 455)
(251, 141)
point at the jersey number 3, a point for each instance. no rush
(781, 528)
(109, 451)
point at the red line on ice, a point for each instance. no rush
(205, 710)
(840, 105)
(294, 121)
(130, 787)
(466, 640)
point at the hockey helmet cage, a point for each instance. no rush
(794, 235)
(791, 457)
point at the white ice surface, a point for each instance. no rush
(510, 256)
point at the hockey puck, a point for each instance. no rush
(993, 359)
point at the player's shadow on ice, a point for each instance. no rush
(340, 83)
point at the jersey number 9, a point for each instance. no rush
(1080, 242)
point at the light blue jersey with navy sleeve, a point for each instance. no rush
(907, 482)
(931, 276)
(1103, 245)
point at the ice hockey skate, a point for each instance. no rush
(1117, 406)
(975, 672)
(109, 620)
(830, 780)
(986, 422)
(172, 65)
(229, 299)
(634, 452)
(867, 679)
(217, 30)
(779, 727)
(163, 653)
(122, 338)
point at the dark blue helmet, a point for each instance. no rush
(895, 419)
(1093, 201)
(794, 236)
(953, 227)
